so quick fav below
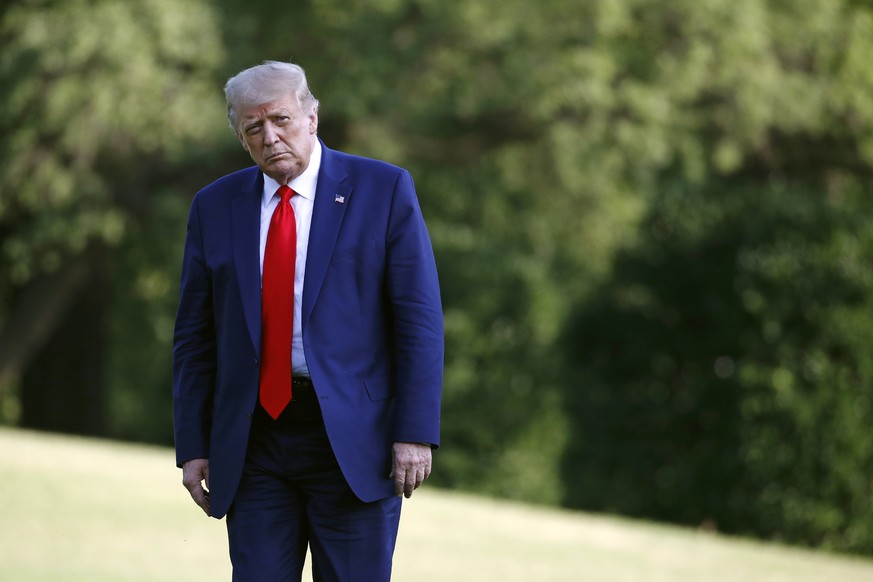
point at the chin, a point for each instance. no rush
(281, 167)
(282, 174)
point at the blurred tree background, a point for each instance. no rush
(650, 219)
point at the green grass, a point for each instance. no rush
(81, 509)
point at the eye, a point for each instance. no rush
(252, 129)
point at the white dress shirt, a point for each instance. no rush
(304, 185)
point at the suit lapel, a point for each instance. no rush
(331, 200)
(246, 222)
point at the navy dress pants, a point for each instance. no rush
(293, 494)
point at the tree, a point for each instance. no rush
(100, 99)
(720, 375)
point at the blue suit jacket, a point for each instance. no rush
(371, 319)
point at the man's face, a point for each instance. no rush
(279, 137)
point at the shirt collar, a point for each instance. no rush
(304, 184)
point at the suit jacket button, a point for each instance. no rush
(249, 415)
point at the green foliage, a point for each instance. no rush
(723, 373)
(95, 93)
(145, 277)
(103, 104)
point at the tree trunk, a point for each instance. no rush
(62, 386)
(36, 310)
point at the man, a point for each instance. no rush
(308, 347)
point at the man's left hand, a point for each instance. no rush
(410, 466)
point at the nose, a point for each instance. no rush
(270, 134)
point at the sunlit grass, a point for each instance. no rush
(80, 509)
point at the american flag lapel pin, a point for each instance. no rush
(340, 199)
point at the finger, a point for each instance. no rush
(198, 494)
(201, 498)
(410, 484)
(192, 481)
(399, 480)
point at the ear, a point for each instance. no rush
(313, 122)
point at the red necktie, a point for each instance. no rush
(277, 306)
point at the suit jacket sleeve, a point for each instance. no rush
(413, 288)
(194, 350)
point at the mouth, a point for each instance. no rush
(276, 155)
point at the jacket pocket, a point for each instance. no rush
(378, 388)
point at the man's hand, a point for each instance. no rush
(194, 473)
(410, 466)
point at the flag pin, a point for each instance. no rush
(340, 199)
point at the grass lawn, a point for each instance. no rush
(81, 509)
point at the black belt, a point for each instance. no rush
(300, 412)
(302, 393)
(302, 389)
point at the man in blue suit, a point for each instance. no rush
(308, 346)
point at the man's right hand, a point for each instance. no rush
(194, 473)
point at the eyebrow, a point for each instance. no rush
(269, 115)
(279, 111)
